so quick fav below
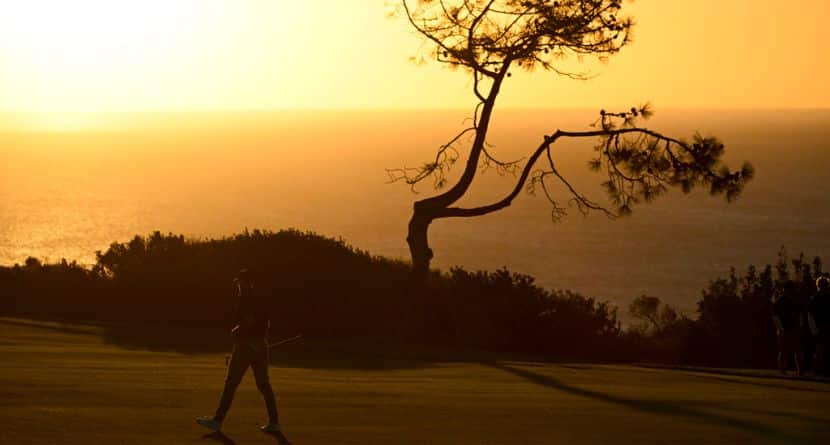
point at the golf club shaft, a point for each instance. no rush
(287, 340)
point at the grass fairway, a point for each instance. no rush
(65, 385)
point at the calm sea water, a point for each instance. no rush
(68, 191)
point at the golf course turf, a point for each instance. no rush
(66, 384)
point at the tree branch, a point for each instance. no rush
(654, 168)
(446, 156)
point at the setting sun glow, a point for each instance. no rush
(90, 54)
(91, 33)
(180, 55)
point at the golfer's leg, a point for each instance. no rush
(239, 363)
(782, 358)
(263, 383)
(799, 363)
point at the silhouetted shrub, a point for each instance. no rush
(734, 326)
(169, 291)
(319, 286)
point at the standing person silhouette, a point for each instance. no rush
(250, 349)
(788, 314)
(819, 321)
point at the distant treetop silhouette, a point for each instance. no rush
(489, 36)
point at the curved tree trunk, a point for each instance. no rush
(418, 241)
(430, 209)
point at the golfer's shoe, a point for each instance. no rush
(270, 428)
(209, 423)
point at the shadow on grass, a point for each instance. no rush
(162, 337)
(280, 438)
(806, 418)
(168, 337)
(576, 367)
(357, 353)
(220, 437)
(760, 384)
(53, 326)
(351, 354)
(734, 373)
(650, 406)
(346, 353)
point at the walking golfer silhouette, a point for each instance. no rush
(250, 349)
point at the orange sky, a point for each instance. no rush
(100, 55)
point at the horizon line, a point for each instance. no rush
(394, 109)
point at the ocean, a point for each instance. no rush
(71, 186)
